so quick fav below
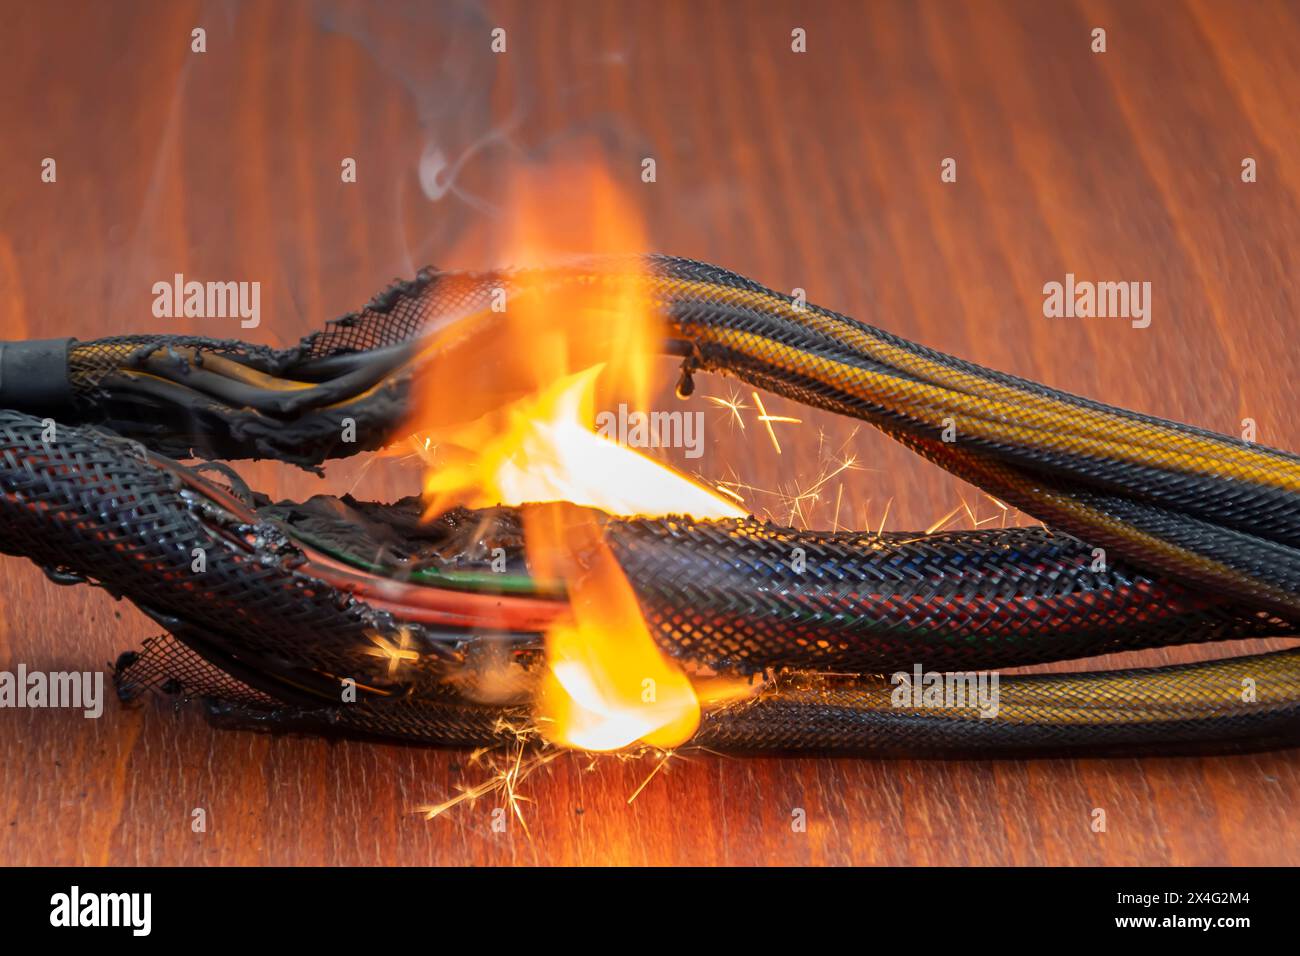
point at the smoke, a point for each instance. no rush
(437, 53)
(472, 106)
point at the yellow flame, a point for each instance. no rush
(539, 449)
(510, 421)
(607, 685)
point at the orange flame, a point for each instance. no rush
(510, 420)
(607, 684)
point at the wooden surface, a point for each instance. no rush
(818, 171)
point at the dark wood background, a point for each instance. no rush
(818, 171)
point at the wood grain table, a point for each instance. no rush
(817, 170)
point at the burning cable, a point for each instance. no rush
(1202, 531)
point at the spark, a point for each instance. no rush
(506, 777)
(422, 447)
(942, 522)
(848, 464)
(1004, 508)
(767, 420)
(796, 503)
(505, 780)
(800, 500)
(730, 493)
(734, 404)
(511, 788)
(881, 529)
(668, 754)
(394, 653)
(361, 473)
(970, 514)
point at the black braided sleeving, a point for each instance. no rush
(1232, 502)
(1251, 567)
(1233, 705)
(703, 309)
(98, 506)
(181, 422)
(194, 668)
(175, 422)
(748, 595)
(726, 594)
(84, 501)
(1253, 571)
(1244, 703)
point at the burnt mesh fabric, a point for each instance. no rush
(1208, 510)
(258, 629)
(1188, 709)
(731, 594)
(298, 603)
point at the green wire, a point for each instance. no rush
(484, 581)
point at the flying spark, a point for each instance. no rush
(767, 420)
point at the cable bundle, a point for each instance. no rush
(1200, 532)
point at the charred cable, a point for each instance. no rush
(1203, 533)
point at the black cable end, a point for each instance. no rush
(34, 375)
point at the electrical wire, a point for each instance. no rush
(1202, 531)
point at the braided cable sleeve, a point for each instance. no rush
(747, 595)
(723, 594)
(1179, 500)
(730, 593)
(1227, 706)
(97, 506)
(257, 613)
(1243, 702)
(729, 319)
(1200, 530)
(735, 326)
